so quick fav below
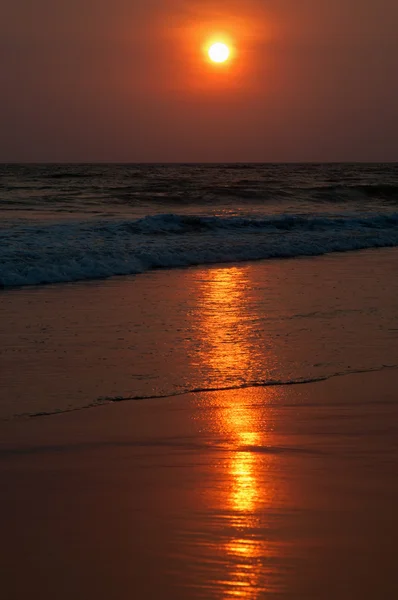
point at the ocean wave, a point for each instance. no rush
(348, 192)
(65, 252)
(70, 175)
(172, 223)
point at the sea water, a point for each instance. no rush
(64, 223)
(309, 310)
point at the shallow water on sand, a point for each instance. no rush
(69, 346)
(261, 491)
(286, 492)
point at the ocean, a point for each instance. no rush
(122, 320)
(227, 430)
(75, 222)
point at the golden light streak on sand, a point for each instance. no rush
(225, 323)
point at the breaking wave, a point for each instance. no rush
(65, 252)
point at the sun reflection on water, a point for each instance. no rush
(227, 321)
(246, 493)
(226, 324)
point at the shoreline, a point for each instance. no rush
(247, 386)
(216, 264)
(219, 327)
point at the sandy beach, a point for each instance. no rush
(198, 300)
(260, 490)
(285, 492)
(173, 331)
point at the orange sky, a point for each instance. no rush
(86, 80)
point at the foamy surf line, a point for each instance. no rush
(67, 252)
(106, 400)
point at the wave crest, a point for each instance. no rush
(52, 253)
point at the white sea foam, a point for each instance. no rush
(64, 252)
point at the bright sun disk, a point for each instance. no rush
(219, 52)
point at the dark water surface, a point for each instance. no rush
(61, 223)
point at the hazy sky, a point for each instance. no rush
(127, 80)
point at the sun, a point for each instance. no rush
(219, 52)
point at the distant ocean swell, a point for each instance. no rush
(65, 252)
(160, 192)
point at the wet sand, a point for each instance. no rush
(259, 492)
(68, 346)
(280, 492)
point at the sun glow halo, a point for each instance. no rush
(219, 52)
